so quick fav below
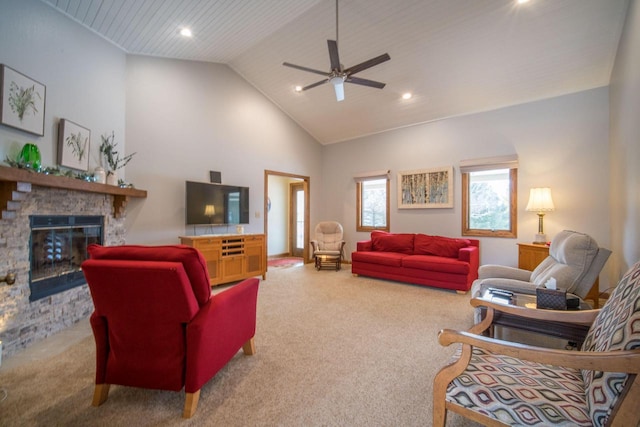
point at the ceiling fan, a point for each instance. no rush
(338, 75)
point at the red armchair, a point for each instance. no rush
(156, 324)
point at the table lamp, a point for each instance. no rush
(210, 211)
(540, 202)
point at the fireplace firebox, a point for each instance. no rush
(58, 246)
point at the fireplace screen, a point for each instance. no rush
(58, 248)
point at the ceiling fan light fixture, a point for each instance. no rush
(339, 88)
(298, 88)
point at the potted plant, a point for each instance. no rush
(110, 158)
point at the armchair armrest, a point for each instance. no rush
(314, 245)
(627, 361)
(219, 330)
(503, 272)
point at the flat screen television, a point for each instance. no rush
(216, 204)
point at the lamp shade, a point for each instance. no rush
(209, 210)
(540, 200)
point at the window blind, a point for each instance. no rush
(489, 163)
(381, 174)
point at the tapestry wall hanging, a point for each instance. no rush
(425, 188)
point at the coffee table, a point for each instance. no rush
(569, 331)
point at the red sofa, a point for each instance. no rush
(419, 259)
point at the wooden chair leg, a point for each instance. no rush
(190, 404)
(100, 394)
(249, 348)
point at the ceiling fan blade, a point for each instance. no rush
(339, 88)
(365, 82)
(333, 55)
(368, 64)
(312, 85)
(299, 67)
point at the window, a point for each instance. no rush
(372, 203)
(489, 197)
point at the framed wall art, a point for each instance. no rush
(425, 188)
(22, 102)
(73, 145)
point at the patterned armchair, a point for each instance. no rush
(501, 383)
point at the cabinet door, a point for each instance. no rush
(254, 251)
(529, 256)
(211, 250)
(233, 268)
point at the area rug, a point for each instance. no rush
(285, 262)
(331, 350)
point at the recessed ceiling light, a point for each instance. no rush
(522, 1)
(298, 88)
(185, 32)
(407, 95)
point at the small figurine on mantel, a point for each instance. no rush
(110, 158)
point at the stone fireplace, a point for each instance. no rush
(23, 318)
(57, 248)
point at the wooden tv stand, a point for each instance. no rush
(231, 257)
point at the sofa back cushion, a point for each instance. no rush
(392, 242)
(438, 245)
(192, 260)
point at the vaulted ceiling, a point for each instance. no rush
(455, 56)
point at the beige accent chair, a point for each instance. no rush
(499, 383)
(574, 260)
(328, 246)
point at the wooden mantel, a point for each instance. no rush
(15, 182)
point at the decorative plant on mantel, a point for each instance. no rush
(110, 158)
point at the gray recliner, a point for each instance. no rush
(574, 261)
(328, 246)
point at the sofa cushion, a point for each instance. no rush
(438, 246)
(436, 263)
(390, 259)
(392, 242)
(192, 260)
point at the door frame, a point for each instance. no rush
(307, 206)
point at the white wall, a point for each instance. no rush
(561, 143)
(625, 146)
(186, 118)
(84, 76)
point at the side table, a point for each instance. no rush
(530, 255)
(566, 331)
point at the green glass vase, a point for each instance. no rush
(30, 157)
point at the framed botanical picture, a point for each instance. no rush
(22, 102)
(425, 188)
(73, 145)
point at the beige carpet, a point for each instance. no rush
(332, 350)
